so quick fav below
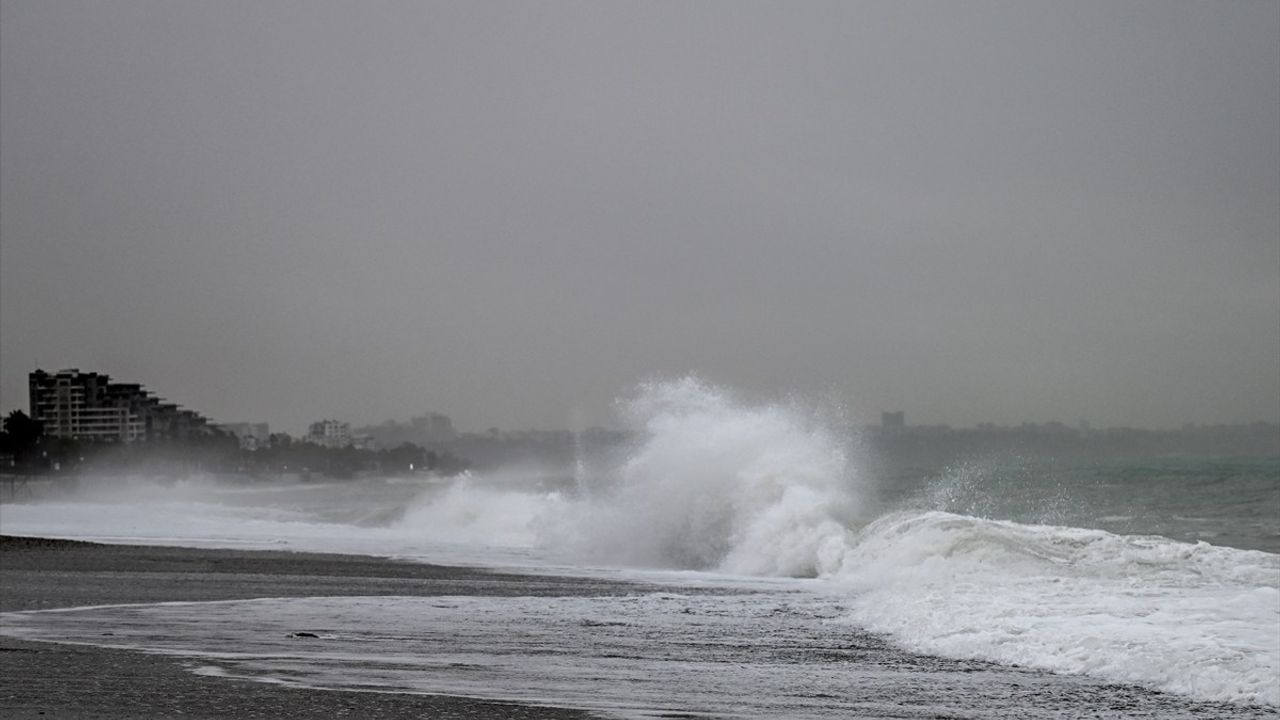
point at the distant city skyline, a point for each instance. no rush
(511, 213)
(435, 422)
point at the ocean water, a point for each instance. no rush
(776, 577)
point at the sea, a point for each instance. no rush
(778, 572)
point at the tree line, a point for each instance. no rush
(25, 449)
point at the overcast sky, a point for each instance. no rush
(512, 212)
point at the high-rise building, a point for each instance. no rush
(88, 406)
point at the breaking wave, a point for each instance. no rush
(717, 483)
(1193, 619)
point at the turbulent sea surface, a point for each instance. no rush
(776, 578)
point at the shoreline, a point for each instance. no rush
(64, 680)
(53, 680)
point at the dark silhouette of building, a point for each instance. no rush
(88, 406)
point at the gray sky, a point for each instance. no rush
(511, 212)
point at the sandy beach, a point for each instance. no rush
(46, 680)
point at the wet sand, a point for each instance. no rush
(47, 680)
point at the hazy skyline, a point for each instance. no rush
(511, 213)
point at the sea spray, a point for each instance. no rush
(716, 483)
(712, 482)
(470, 512)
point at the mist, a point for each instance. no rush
(721, 524)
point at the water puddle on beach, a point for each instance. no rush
(736, 654)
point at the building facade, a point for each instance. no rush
(88, 406)
(330, 434)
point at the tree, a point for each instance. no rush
(21, 436)
(22, 430)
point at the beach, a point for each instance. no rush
(48, 680)
(71, 680)
(479, 597)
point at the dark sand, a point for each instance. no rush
(72, 681)
(69, 681)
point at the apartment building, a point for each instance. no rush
(88, 406)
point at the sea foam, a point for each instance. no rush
(1197, 620)
(715, 483)
(768, 489)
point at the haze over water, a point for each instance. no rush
(764, 532)
(503, 212)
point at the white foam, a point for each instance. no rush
(1197, 620)
(638, 656)
(470, 512)
(720, 485)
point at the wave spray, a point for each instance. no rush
(715, 483)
